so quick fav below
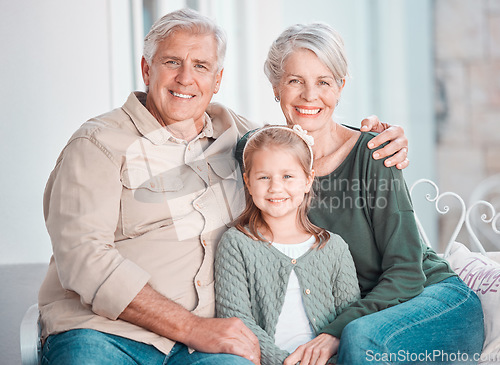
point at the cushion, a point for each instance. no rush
(482, 274)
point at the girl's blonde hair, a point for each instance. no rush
(282, 137)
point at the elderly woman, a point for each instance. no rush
(413, 307)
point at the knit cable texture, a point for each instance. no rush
(252, 277)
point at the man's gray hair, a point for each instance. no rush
(185, 19)
(319, 38)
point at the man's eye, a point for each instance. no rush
(203, 67)
(324, 83)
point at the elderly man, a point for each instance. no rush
(135, 206)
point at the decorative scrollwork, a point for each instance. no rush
(484, 217)
(437, 199)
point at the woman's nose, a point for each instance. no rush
(309, 92)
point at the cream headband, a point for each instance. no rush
(296, 129)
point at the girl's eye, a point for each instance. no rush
(287, 176)
(263, 178)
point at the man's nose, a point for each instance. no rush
(185, 75)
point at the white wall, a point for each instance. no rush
(56, 71)
(66, 61)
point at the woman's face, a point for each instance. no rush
(308, 91)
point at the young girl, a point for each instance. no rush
(284, 277)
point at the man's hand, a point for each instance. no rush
(224, 335)
(152, 311)
(315, 352)
(398, 143)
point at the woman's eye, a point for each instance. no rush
(294, 81)
(324, 83)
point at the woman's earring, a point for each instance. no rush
(277, 99)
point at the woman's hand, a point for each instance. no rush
(398, 143)
(315, 352)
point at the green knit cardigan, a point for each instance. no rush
(251, 278)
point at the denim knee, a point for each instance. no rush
(357, 341)
(85, 346)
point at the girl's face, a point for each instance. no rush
(308, 91)
(277, 183)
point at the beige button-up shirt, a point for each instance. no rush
(129, 204)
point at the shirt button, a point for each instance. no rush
(204, 242)
(294, 261)
(199, 283)
(308, 291)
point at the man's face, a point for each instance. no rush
(182, 78)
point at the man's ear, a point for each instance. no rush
(145, 71)
(218, 80)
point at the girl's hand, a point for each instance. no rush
(315, 352)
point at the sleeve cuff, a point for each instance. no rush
(119, 289)
(337, 326)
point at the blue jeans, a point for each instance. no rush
(442, 325)
(86, 347)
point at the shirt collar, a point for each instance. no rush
(148, 126)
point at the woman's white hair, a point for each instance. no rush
(184, 19)
(319, 38)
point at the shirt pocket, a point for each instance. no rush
(227, 186)
(144, 204)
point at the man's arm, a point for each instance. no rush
(152, 311)
(82, 204)
(397, 148)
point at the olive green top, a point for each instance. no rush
(369, 206)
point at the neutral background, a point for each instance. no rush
(432, 66)
(66, 61)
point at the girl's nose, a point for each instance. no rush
(275, 185)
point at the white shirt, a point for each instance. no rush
(293, 328)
